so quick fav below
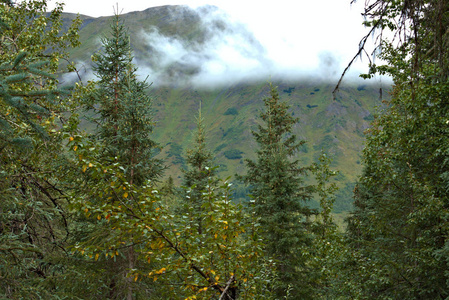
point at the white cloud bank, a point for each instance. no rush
(262, 39)
(285, 44)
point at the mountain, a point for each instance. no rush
(175, 44)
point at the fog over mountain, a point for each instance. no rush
(224, 49)
(230, 53)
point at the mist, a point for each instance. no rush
(231, 53)
(229, 47)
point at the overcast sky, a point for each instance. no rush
(306, 35)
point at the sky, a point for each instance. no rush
(299, 38)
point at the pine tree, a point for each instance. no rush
(200, 172)
(280, 196)
(125, 113)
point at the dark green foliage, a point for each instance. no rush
(233, 154)
(280, 197)
(125, 113)
(34, 219)
(361, 87)
(398, 230)
(220, 147)
(231, 111)
(200, 174)
(122, 152)
(289, 90)
(175, 151)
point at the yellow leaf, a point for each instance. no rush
(99, 217)
(90, 165)
(245, 280)
(154, 278)
(75, 148)
(217, 278)
(84, 168)
(148, 260)
(86, 210)
(135, 278)
(96, 256)
(215, 235)
(71, 138)
(125, 195)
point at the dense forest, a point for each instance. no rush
(90, 214)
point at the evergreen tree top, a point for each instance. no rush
(278, 125)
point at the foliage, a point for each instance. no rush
(233, 154)
(34, 224)
(398, 230)
(231, 111)
(200, 173)
(124, 112)
(280, 197)
(169, 249)
(122, 142)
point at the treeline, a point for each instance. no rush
(87, 215)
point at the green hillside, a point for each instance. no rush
(334, 126)
(231, 111)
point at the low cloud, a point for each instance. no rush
(226, 50)
(229, 52)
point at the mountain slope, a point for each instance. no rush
(334, 126)
(231, 110)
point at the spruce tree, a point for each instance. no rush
(125, 113)
(276, 180)
(125, 124)
(200, 172)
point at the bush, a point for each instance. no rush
(233, 154)
(231, 111)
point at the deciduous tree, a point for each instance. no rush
(398, 230)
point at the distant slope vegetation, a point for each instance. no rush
(333, 126)
(231, 111)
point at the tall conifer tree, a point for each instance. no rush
(276, 180)
(125, 113)
(200, 172)
(125, 120)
